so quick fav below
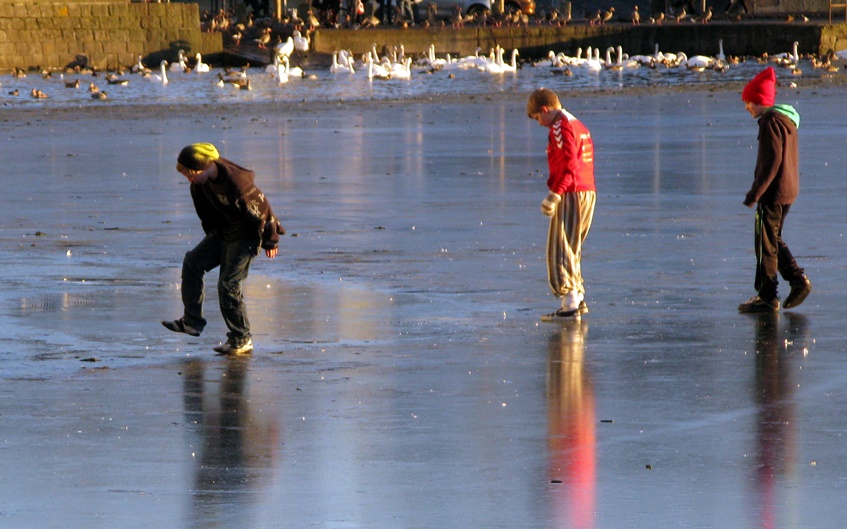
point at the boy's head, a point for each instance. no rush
(197, 156)
(543, 105)
(760, 93)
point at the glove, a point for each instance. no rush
(548, 205)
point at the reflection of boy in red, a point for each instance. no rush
(572, 422)
(570, 200)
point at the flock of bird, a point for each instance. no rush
(395, 64)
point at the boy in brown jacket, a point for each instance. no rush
(237, 220)
(776, 185)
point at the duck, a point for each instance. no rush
(606, 16)
(100, 96)
(115, 80)
(201, 67)
(264, 39)
(71, 84)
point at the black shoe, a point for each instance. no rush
(800, 289)
(231, 348)
(180, 326)
(758, 305)
(563, 314)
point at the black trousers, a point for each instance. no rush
(772, 254)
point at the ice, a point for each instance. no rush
(387, 388)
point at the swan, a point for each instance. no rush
(162, 77)
(609, 63)
(491, 65)
(402, 70)
(593, 64)
(720, 56)
(285, 49)
(508, 67)
(343, 66)
(377, 71)
(179, 66)
(282, 71)
(627, 64)
(699, 63)
(139, 67)
(788, 59)
(301, 43)
(201, 67)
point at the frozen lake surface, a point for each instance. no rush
(401, 376)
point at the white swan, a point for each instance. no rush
(627, 64)
(377, 70)
(285, 49)
(491, 65)
(593, 64)
(179, 66)
(789, 58)
(139, 67)
(201, 67)
(720, 56)
(609, 64)
(345, 66)
(699, 62)
(282, 71)
(163, 77)
(510, 66)
(301, 43)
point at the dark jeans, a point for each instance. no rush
(234, 258)
(772, 254)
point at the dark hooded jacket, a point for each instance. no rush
(777, 176)
(232, 206)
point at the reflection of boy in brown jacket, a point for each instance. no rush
(776, 185)
(237, 220)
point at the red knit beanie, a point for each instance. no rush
(762, 89)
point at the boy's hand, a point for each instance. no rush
(548, 205)
(271, 253)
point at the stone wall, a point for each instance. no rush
(105, 34)
(536, 41)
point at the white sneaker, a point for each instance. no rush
(571, 301)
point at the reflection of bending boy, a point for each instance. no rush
(570, 201)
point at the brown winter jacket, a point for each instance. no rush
(232, 206)
(777, 176)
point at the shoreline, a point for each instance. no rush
(121, 110)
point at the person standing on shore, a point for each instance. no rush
(237, 219)
(776, 184)
(569, 202)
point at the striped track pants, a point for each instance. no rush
(569, 226)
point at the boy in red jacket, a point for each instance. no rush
(776, 184)
(570, 199)
(237, 220)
